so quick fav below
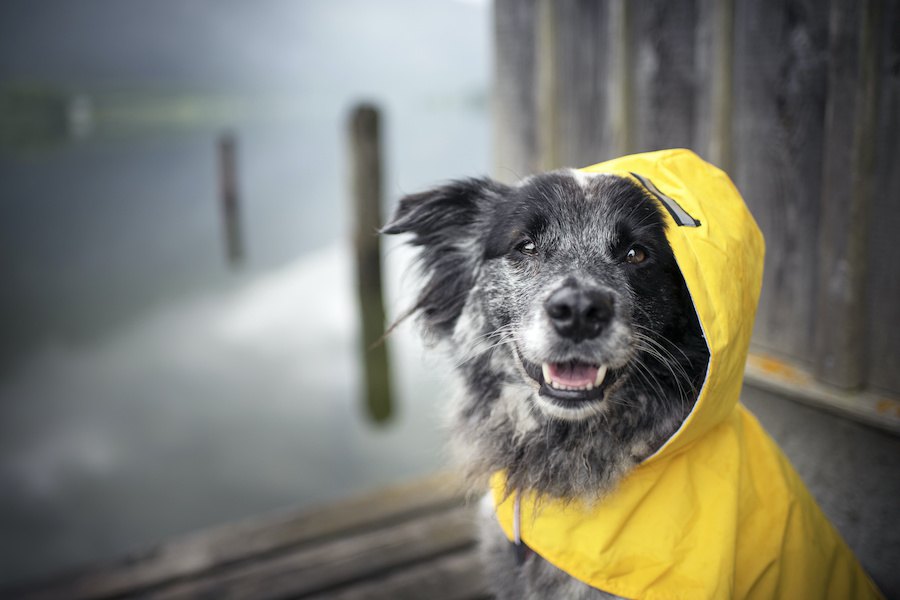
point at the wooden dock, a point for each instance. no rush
(410, 541)
(417, 540)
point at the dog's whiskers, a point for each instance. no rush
(647, 377)
(669, 359)
(662, 338)
(682, 395)
(499, 338)
(663, 356)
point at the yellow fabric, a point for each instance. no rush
(717, 512)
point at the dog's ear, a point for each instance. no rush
(448, 223)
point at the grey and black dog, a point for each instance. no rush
(576, 345)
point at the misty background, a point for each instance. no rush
(147, 387)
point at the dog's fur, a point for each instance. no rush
(492, 257)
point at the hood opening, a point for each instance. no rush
(700, 372)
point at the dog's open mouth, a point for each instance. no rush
(570, 383)
(573, 376)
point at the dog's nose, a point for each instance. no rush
(579, 314)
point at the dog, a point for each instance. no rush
(578, 350)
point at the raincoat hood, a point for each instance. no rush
(717, 511)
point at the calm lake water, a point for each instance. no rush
(147, 389)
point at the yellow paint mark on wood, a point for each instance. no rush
(886, 406)
(786, 379)
(773, 367)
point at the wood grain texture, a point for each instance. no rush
(779, 102)
(621, 112)
(238, 543)
(514, 98)
(325, 566)
(846, 192)
(455, 576)
(745, 83)
(575, 83)
(666, 79)
(882, 351)
(714, 82)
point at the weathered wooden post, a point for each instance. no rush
(228, 193)
(365, 181)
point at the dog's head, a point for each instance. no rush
(564, 284)
(573, 273)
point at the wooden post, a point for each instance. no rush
(365, 162)
(228, 192)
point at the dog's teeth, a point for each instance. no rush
(548, 379)
(545, 367)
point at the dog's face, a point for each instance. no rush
(578, 275)
(563, 286)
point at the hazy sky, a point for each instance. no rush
(233, 43)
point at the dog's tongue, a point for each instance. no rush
(574, 374)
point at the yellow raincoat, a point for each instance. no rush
(717, 512)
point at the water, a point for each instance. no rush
(148, 389)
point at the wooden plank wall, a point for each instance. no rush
(571, 118)
(882, 348)
(515, 131)
(780, 68)
(798, 100)
(666, 78)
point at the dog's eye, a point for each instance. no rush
(635, 255)
(527, 247)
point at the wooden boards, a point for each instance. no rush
(798, 100)
(417, 536)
